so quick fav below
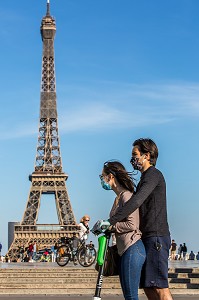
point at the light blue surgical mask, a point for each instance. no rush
(105, 185)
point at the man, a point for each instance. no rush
(150, 198)
(180, 252)
(184, 251)
(192, 255)
(173, 250)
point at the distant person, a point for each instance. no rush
(55, 249)
(21, 252)
(46, 255)
(84, 228)
(35, 248)
(26, 257)
(30, 251)
(75, 243)
(53, 257)
(184, 251)
(91, 253)
(173, 249)
(46, 252)
(0, 248)
(180, 252)
(197, 256)
(192, 255)
(91, 245)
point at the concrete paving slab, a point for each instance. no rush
(82, 297)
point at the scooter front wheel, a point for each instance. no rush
(87, 256)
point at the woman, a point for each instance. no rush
(84, 228)
(83, 234)
(128, 236)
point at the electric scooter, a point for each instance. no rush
(103, 242)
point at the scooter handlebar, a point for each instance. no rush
(100, 226)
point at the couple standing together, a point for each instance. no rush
(139, 221)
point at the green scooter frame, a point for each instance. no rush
(103, 242)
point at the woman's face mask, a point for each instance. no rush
(105, 185)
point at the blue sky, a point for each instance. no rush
(124, 70)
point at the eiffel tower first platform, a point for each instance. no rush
(48, 177)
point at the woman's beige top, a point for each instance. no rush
(127, 231)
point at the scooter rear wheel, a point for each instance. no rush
(63, 256)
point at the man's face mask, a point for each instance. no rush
(136, 163)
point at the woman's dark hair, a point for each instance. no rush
(123, 177)
(147, 146)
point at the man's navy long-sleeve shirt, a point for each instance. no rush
(150, 198)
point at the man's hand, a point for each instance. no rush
(100, 227)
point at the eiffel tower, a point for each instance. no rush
(48, 177)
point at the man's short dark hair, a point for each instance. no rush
(147, 146)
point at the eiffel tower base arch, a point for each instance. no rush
(44, 235)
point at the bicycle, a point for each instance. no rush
(84, 253)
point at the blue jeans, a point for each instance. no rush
(130, 270)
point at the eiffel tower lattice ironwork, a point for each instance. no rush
(48, 177)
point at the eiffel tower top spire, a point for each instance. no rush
(48, 8)
(48, 25)
(48, 158)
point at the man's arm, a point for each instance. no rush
(125, 226)
(148, 185)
